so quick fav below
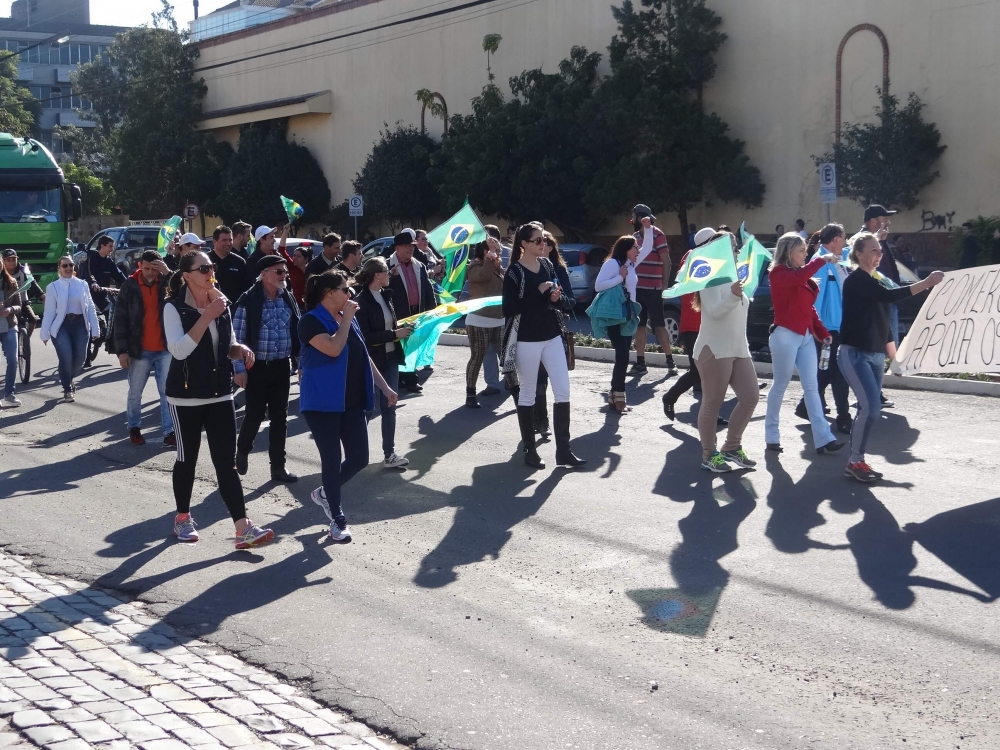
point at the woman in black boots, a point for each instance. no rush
(532, 297)
(562, 274)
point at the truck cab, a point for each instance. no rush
(36, 205)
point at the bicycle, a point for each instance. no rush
(24, 350)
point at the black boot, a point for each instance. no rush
(541, 412)
(526, 421)
(564, 456)
(470, 398)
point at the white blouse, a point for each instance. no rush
(610, 273)
(723, 323)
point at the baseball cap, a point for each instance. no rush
(641, 210)
(269, 260)
(262, 231)
(411, 232)
(703, 235)
(403, 238)
(9, 253)
(875, 210)
(190, 239)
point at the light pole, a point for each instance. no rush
(53, 40)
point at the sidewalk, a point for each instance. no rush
(81, 669)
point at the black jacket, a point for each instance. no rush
(129, 313)
(104, 272)
(318, 265)
(205, 373)
(230, 275)
(252, 301)
(427, 299)
(372, 321)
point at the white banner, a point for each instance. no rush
(958, 328)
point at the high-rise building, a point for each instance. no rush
(46, 69)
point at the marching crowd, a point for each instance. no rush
(253, 317)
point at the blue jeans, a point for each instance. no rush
(329, 430)
(863, 372)
(8, 341)
(391, 375)
(894, 322)
(138, 374)
(491, 368)
(71, 349)
(795, 351)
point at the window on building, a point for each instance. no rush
(64, 55)
(84, 53)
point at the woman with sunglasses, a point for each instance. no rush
(337, 390)
(562, 273)
(864, 333)
(377, 318)
(70, 321)
(532, 336)
(199, 333)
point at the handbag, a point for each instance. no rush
(569, 343)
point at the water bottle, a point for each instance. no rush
(824, 357)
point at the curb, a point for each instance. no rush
(903, 382)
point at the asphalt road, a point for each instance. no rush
(484, 606)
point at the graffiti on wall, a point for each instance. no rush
(932, 221)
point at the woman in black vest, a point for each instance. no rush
(199, 333)
(377, 318)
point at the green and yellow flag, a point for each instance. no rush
(710, 265)
(453, 240)
(292, 209)
(167, 233)
(753, 257)
(428, 326)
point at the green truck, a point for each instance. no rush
(36, 206)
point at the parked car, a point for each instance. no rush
(584, 261)
(130, 242)
(314, 246)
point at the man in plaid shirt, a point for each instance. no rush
(654, 275)
(266, 319)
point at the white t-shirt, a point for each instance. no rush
(390, 346)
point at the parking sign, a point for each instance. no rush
(356, 205)
(828, 183)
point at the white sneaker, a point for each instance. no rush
(11, 401)
(318, 496)
(338, 534)
(68, 397)
(396, 461)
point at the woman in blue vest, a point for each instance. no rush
(199, 334)
(337, 390)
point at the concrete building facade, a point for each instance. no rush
(338, 72)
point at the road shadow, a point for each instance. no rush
(795, 505)
(442, 437)
(967, 540)
(483, 523)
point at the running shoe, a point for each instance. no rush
(886, 403)
(639, 368)
(318, 496)
(862, 472)
(68, 397)
(739, 457)
(11, 401)
(135, 436)
(170, 441)
(184, 528)
(341, 535)
(716, 463)
(395, 461)
(253, 536)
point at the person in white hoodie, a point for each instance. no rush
(70, 321)
(619, 269)
(723, 357)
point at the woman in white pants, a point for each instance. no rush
(532, 336)
(796, 327)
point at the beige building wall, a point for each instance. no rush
(775, 86)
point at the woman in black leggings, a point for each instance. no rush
(199, 333)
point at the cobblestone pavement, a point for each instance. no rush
(83, 669)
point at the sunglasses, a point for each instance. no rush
(65, 265)
(536, 241)
(280, 271)
(205, 269)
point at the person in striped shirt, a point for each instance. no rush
(654, 275)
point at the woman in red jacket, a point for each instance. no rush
(796, 324)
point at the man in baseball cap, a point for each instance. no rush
(264, 237)
(653, 276)
(266, 306)
(190, 243)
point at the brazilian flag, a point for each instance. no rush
(167, 233)
(292, 209)
(710, 265)
(453, 240)
(753, 257)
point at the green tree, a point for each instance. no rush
(659, 144)
(394, 179)
(529, 157)
(889, 161)
(146, 101)
(18, 108)
(99, 198)
(265, 167)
